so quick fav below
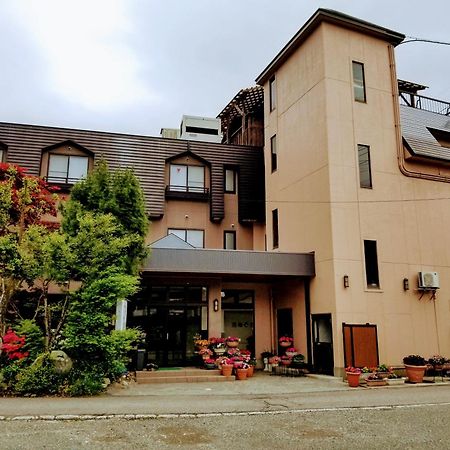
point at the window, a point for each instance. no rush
(365, 175)
(359, 85)
(272, 93)
(187, 178)
(230, 181)
(371, 260)
(229, 240)
(275, 228)
(273, 152)
(193, 237)
(67, 168)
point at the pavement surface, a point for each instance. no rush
(260, 394)
(263, 412)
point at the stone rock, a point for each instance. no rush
(61, 362)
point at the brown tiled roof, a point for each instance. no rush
(416, 125)
(147, 157)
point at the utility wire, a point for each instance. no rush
(416, 39)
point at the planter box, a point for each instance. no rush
(375, 383)
(395, 381)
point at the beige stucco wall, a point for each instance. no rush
(322, 207)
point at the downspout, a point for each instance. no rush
(398, 130)
(308, 321)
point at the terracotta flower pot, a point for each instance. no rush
(285, 344)
(415, 373)
(227, 370)
(250, 371)
(286, 362)
(232, 344)
(241, 374)
(353, 379)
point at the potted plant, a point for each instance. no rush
(251, 367)
(218, 345)
(232, 341)
(241, 372)
(383, 371)
(285, 341)
(205, 353)
(274, 361)
(375, 380)
(437, 361)
(227, 367)
(285, 360)
(353, 374)
(393, 379)
(291, 351)
(209, 363)
(265, 355)
(415, 366)
(298, 361)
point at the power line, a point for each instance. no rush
(417, 39)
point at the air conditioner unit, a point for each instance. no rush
(428, 280)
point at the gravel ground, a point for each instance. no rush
(412, 427)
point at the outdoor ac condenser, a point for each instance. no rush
(428, 280)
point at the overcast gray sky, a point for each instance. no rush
(134, 66)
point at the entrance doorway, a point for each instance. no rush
(170, 316)
(238, 317)
(284, 326)
(323, 344)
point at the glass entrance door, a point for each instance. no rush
(170, 317)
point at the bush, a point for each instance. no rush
(39, 378)
(34, 338)
(84, 382)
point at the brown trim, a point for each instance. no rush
(70, 143)
(225, 232)
(186, 230)
(363, 81)
(235, 179)
(333, 17)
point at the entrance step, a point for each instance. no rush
(189, 375)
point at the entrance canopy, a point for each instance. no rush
(229, 264)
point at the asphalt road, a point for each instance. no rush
(399, 427)
(265, 413)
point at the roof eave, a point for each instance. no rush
(329, 16)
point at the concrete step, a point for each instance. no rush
(189, 372)
(184, 379)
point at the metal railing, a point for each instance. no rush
(62, 180)
(426, 103)
(187, 189)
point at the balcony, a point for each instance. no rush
(195, 193)
(64, 183)
(425, 103)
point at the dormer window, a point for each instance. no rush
(67, 169)
(66, 163)
(184, 178)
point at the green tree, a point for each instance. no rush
(105, 224)
(24, 201)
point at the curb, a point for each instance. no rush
(86, 417)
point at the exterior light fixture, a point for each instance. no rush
(346, 282)
(216, 305)
(405, 284)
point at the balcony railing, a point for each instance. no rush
(62, 180)
(426, 103)
(187, 192)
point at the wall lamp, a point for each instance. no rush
(216, 305)
(405, 284)
(346, 282)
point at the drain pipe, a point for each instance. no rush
(308, 321)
